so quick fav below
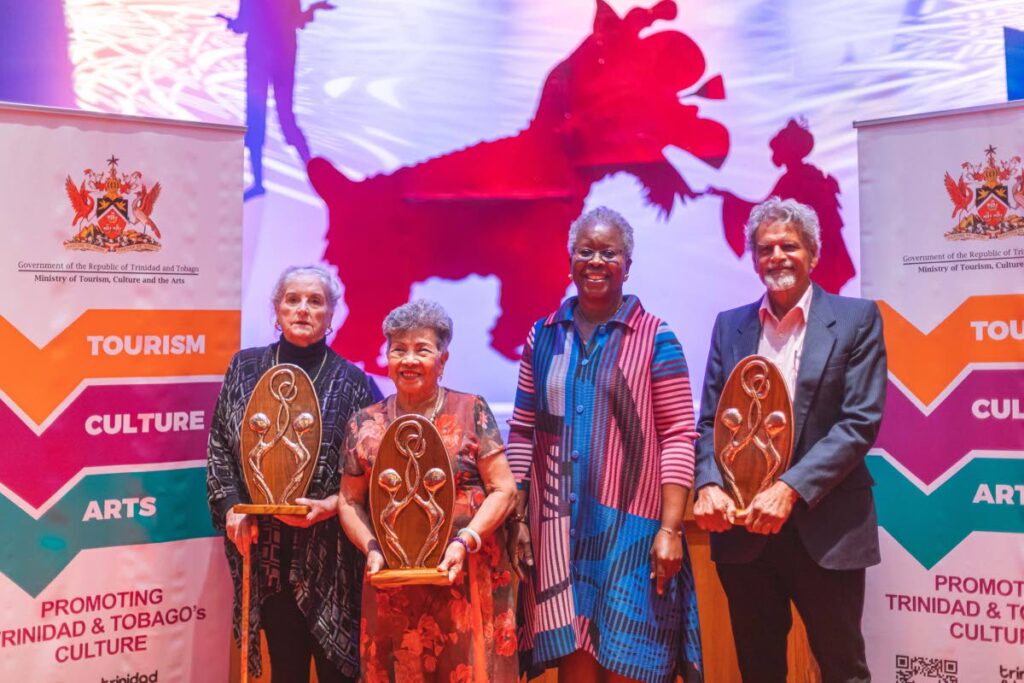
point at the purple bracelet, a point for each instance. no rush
(460, 540)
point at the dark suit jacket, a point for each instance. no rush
(837, 411)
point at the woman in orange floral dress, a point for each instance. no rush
(425, 633)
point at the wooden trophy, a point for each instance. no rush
(753, 430)
(412, 502)
(280, 442)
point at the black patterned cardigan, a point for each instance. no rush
(326, 569)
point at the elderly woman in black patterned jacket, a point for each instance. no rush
(307, 577)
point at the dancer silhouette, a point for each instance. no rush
(270, 50)
(612, 105)
(807, 184)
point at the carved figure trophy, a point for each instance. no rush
(753, 430)
(412, 501)
(280, 442)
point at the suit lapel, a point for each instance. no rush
(819, 340)
(748, 334)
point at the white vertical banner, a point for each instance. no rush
(942, 245)
(120, 273)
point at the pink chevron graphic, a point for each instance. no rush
(66, 447)
(928, 445)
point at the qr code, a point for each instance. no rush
(918, 669)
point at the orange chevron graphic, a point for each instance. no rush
(37, 380)
(927, 363)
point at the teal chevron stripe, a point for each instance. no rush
(38, 550)
(929, 526)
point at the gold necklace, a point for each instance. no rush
(433, 413)
(277, 360)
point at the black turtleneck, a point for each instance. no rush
(309, 358)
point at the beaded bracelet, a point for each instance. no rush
(472, 534)
(461, 541)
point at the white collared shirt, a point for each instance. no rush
(782, 341)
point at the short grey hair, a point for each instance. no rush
(417, 315)
(789, 212)
(604, 216)
(330, 282)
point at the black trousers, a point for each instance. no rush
(292, 646)
(830, 602)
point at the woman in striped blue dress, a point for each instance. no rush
(601, 443)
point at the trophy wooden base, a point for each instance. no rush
(248, 509)
(740, 517)
(395, 578)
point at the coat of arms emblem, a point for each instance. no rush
(113, 211)
(988, 198)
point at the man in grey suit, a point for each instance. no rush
(808, 537)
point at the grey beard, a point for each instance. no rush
(778, 283)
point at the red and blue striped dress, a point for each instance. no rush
(596, 432)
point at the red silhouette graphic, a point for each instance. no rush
(504, 207)
(808, 185)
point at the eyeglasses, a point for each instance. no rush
(606, 255)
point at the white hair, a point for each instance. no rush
(788, 212)
(602, 215)
(330, 282)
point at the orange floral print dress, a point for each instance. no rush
(425, 633)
